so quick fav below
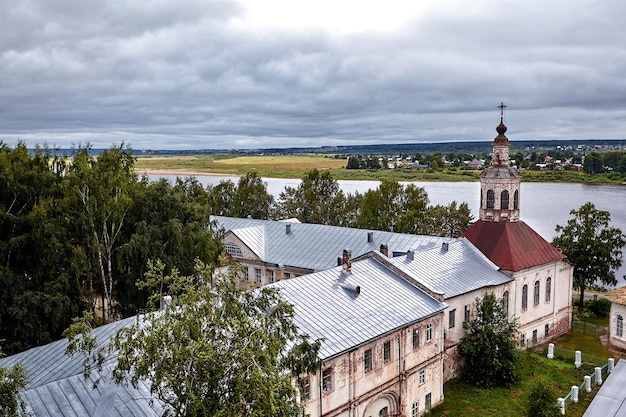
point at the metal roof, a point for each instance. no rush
(56, 385)
(512, 246)
(326, 309)
(459, 269)
(317, 246)
(610, 401)
(617, 295)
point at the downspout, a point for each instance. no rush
(320, 391)
(400, 374)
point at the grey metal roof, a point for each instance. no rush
(56, 386)
(610, 401)
(325, 309)
(459, 269)
(316, 246)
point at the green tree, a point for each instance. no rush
(393, 208)
(167, 221)
(251, 198)
(446, 221)
(354, 162)
(488, 345)
(592, 246)
(12, 381)
(541, 402)
(593, 163)
(221, 197)
(100, 193)
(219, 351)
(317, 199)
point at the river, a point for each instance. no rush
(543, 206)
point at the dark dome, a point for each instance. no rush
(501, 139)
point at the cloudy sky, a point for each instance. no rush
(190, 74)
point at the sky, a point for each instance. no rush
(234, 74)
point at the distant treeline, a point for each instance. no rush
(467, 147)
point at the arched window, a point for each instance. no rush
(504, 200)
(491, 198)
(536, 294)
(505, 302)
(516, 200)
(620, 325)
(548, 289)
(524, 297)
(233, 250)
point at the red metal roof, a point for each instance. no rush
(512, 246)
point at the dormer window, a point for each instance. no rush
(233, 249)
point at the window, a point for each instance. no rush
(620, 326)
(257, 275)
(427, 402)
(534, 336)
(233, 250)
(367, 360)
(387, 351)
(522, 340)
(516, 200)
(536, 294)
(548, 289)
(416, 339)
(524, 297)
(504, 200)
(306, 388)
(451, 318)
(384, 412)
(429, 332)
(271, 276)
(466, 313)
(246, 277)
(327, 379)
(287, 275)
(505, 302)
(415, 409)
(422, 376)
(490, 199)
(547, 330)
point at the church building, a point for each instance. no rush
(542, 291)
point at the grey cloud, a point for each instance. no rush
(165, 74)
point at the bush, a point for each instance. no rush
(600, 307)
(542, 402)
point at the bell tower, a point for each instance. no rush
(500, 183)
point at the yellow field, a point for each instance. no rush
(277, 166)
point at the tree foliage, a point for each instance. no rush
(317, 199)
(248, 198)
(488, 345)
(74, 230)
(541, 402)
(592, 246)
(12, 381)
(217, 351)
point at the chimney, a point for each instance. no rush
(347, 260)
(384, 249)
(370, 237)
(444, 247)
(351, 288)
(287, 228)
(339, 261)
(409, 255)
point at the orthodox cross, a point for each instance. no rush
(502, 107)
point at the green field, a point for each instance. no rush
(294, 166)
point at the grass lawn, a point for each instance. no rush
(560, 373)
